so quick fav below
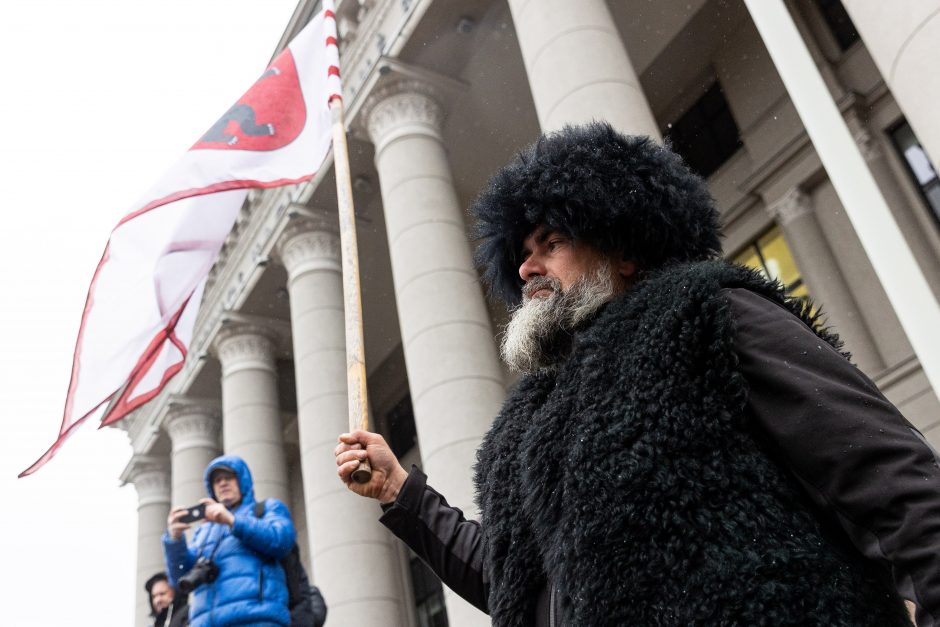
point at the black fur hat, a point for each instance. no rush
(623, 194)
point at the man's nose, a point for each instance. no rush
(532, 266)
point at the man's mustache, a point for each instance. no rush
(537, 283)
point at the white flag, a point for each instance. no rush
(143, 299)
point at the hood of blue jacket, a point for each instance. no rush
(240, 468)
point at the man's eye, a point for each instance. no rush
(555, 243)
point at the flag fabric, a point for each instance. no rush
(143, 299)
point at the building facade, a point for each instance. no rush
(438, 95)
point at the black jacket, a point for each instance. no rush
(178, 612)
(870, 478)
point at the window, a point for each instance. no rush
(770, 254)
(839, 22)
(429, 596)
(706, 135)
(918, 165)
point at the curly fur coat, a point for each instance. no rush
(629, 479)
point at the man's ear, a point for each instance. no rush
(627, 269)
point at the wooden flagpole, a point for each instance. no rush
(352, 289)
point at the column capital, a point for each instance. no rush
(406, 107)
(245, 346)
(151, 478)
(193, 423)
(867, 144)
(793, 205)
(310, 242)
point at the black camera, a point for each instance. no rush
(194, 513)
(205, 571)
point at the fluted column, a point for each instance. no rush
(820, 271)
(873, 150)
(151, 479)
(251, 421)
(578, 67)
(890, 255)
(351, 553)
(454, 374)
(905, 44)
(194, 434)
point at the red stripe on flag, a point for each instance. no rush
(122, 408)
(224, 186)
(331, 41)
(126, 407)
(63, 436)
(329, 13)
(76, 361)
(333, 71)
(334, 97)
(125, 404)
(66, 431)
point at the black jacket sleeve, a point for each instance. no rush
(440, 535)
(854, 453)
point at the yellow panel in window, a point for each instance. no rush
(746, 257)
(800, 292)
(749, 257)
(779, 260)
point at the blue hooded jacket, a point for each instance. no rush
(251, 588)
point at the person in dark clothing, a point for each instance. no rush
(686, 445)
(306, 603)
(168, 608)
(317, 614)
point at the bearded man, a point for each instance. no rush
(686, 445)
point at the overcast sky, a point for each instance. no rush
(98, 99)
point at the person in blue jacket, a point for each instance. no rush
(233, 562)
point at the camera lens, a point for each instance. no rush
(205, 571)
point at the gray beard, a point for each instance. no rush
(539, 332)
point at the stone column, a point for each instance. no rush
(905, 44)
(194, 433)
(891, 257)
(351, 554)
(151, 479)
(914, 230)
(456, 381)
(578, 67)
(251, 421)
(821, 273)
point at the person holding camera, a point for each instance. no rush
(232, 565)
